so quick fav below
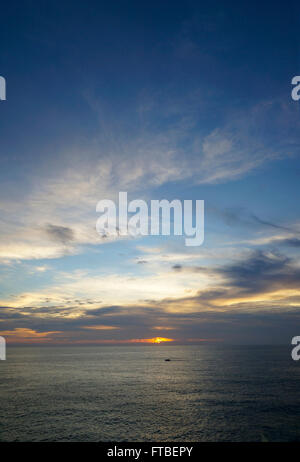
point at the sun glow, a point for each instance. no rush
(161, 339)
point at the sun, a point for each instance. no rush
(161, 339)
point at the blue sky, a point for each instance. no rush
(163, 100)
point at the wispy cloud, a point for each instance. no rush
(64, 201)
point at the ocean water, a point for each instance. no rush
(110, 393)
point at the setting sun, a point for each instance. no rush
(161, 339)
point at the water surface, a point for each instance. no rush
(110, 393)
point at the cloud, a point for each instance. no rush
(191, 269)
(291, 242)
(136, 322)
(241, 216)
(27, 335)
(255, 280)
(262, 271)
(273, 225)
(157, 152)
(255, 297)
(60, 234)
(100, 327)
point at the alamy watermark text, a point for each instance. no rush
(163, 218)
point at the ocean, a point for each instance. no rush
(130, 393)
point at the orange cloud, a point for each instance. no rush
(132, 340)
(101, 327)
(164, 328)
(24, 335)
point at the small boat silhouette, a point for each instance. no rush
(167, 359)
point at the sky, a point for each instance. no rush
(163, 100)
